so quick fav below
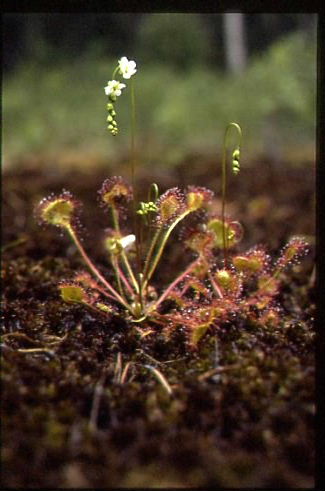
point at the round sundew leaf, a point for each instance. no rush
(234, 232)
(196, 197)
(194, 200)
(230, 282)
(73, 293)
(294, 249)
(115, 192)
(59, 212)
(248, 264)
(113, 245)
(169, 208)
(270, 317)
(170, 205)
(199, 241)
(268, 284)
(103, 307)
(224, 278)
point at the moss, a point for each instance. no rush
(242, 409)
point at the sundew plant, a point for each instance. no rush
(218, 284)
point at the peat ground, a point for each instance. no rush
(241, 413)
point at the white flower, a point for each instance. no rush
(127, 68)
(127, 240)
(114, 88)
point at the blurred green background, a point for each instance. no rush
(189, 85)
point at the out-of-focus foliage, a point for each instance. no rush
(178, 40)
(286, 80)
(50, 37)
(63, 106)
(274, 100)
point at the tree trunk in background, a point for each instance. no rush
(235, 43)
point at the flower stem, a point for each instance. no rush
(133, 130)
(125, 280)
(215, 286)
(117, 275)
(133, 166)
(162, 246)
(150, 253)
(123, 255)
(135, 194)
(223, 183)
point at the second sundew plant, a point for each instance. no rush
(217, 285)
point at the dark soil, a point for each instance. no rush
(241, 413)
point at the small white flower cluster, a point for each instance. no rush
(126, 68)
(127, 241)
(114, 88)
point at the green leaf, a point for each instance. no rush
(198, 332)
(73, 293)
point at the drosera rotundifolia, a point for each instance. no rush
(217, 285)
